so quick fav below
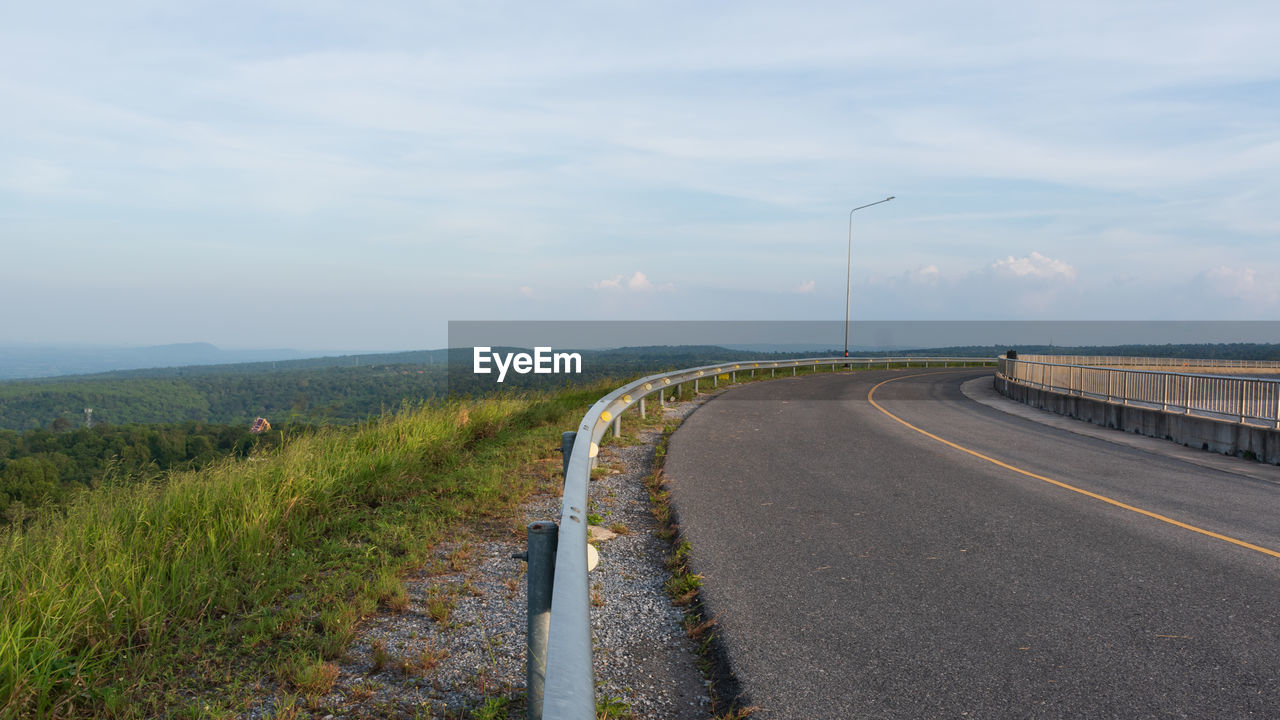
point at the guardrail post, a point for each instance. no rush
(617, 425)
(642, 415)
(715, 381)
(541, 557)
(566, 449)
(695, 386)
(733, 376)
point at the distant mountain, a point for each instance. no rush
(34, 361)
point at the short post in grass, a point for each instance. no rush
(542, 574)
(566, 449)
(642, 415)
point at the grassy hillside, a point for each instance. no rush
(174, 598)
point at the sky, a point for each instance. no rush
(351, 176)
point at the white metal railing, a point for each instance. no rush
(1252, 401)
(1180, 364)
(569, 690)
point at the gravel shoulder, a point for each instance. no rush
(455, 649)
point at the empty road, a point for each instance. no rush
(976, 565)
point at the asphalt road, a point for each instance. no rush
(861, 569)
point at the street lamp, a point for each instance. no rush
(848, 278)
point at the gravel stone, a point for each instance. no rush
(434, 669)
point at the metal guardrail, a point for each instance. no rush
(1248, 401)
(1165, 362)
(569, 684)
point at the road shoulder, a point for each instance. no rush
(981, 390)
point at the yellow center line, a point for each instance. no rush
(1157, 516)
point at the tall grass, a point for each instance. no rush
(175, 598)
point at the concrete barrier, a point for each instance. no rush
(1228, 438)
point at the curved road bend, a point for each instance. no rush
(861, 569)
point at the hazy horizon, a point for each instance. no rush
(19, 361)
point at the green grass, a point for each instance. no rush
(609, 707)
(494, 708)
(177, 598)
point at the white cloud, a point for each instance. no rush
(526, 291)
(1243, 284)
(638, 282)
(927, 275)
(1034, 266)
(805, 287)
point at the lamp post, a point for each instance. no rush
(848, 278)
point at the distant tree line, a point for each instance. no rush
(333, 394)
(302, 391)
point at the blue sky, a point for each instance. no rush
(351, 176)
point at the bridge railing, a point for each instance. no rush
(1187, 365)
(568, 683)
(1252, 401)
